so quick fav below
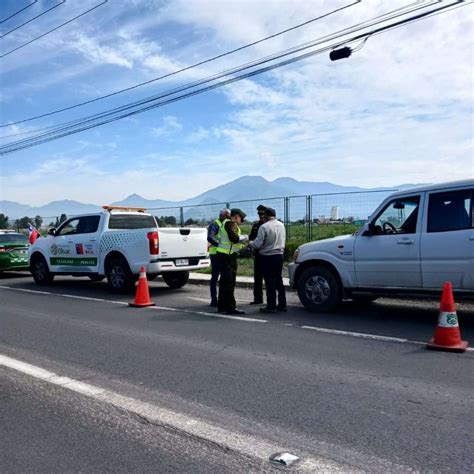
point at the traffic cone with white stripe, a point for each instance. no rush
(447, 334)
(142, 298)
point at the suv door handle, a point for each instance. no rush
(70, 241)
(406, 242)
(93, 240)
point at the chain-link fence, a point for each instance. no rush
(306, 218)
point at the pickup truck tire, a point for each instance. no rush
(40, 271)
(175, 279)
(319, 290)
(119, 276)
(96, 277)
(363, 299)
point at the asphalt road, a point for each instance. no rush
(356, 390)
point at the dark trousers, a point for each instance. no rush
(216, 269)
(257, 279)
(272, 267)
(228, 266)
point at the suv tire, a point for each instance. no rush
(40, 271)
(175, 279)
(319, 290)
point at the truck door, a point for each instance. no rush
(75, 246)
(447, 241)
(390, 255)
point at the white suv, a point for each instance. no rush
(415, 241)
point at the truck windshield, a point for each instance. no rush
(131, 221)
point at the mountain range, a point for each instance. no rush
(241, 189)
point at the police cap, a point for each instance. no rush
(238, 212)
(261, 208)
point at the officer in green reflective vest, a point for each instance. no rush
(213, 233)
(230, 244)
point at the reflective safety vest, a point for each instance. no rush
(212, 248)
(225, 245)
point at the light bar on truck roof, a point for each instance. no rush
(124, 208)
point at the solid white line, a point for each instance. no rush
(238, 442)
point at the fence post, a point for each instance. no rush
(308, 218)
(181, 216)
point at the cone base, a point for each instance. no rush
(141, 305)
(461, 347)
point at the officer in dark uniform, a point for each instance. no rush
(230, 244)
(257, 265)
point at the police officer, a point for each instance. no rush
(213, 239)
(257, 266)
(230, 243)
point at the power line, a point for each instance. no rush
(32, 19)
(187, 68)
(18, 12)
(92, 123)
(345, 31)
(51, 31)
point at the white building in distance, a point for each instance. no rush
(334, 213)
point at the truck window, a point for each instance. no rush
(450, 211)
(398, 217)
(124, 221)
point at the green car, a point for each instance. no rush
(13, 251)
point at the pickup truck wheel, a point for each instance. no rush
(40, 271)
(319, 290)
(119, 276)
(175, 279)
(96, 277)
(363, 299)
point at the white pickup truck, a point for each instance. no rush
(415, 241)
(116, 243)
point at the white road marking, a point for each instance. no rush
(237, 318)
(368, 336)
(241, 443)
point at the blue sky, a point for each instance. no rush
(399, 110)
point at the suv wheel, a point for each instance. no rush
(319, 290)
(119, 276)
(175, 279)
(40, 271)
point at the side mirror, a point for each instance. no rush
(370, 230)
(52, 231)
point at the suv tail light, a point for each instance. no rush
(154, 243)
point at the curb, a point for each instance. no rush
(242, 282)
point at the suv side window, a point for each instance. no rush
(398, 217)
(69, 227)
(450, 211)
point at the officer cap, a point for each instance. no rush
(261, 208)
(238, 212)
(270, 212)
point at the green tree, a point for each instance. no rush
(24, 222)
(3, 221)
(38, 221)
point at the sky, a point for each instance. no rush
(399, 110)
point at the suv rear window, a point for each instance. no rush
(450, 211)
(124, 221)
(13, 239)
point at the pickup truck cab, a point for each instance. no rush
(115, 244)
(414, 241)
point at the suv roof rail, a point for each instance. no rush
(124, 208)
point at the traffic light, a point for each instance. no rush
(340, 53)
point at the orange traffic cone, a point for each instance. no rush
(447, 335)
(142, 298)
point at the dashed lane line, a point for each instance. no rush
(339, 332)
(225, 439)
(124, 303)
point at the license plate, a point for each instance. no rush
(180, 262)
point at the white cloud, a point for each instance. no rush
(170, 125)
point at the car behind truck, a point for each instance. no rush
(115, 244)
(415, 241)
